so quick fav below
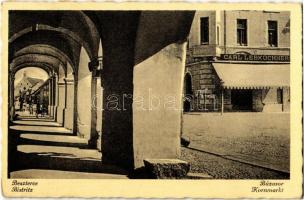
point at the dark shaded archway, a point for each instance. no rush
(130, 51)
(188, 93)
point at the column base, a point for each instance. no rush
(60, 115)
(49, 110)
(92, 143)
(166, 168)
(95, 143)
(68, 118)
(55, 112)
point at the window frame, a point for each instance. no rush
(239, 39)
(202, 31)
(275, 30)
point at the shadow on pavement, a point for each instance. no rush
(49, 160)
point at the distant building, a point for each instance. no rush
(238, 61)
(23, 91)
(41, 94)
(27, 84)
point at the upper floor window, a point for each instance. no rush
(242, 32)
(273, 33)
(204, 30)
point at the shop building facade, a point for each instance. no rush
(238, 61)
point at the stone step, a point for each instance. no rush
(198, 176)
(166, 168)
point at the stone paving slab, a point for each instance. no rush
(53, 152)
(37, 122)
(42, 129)
(61, 152)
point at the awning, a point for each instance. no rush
(253, 76)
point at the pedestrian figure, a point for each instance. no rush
(42, 110)
(38, 109)
(31, 106)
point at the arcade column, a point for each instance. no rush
(69, 108)
(96, 106)
(55, 96)
(11, 92)
(61, 102)
(143, 85)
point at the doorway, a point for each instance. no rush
(187, 92)
(241, 100)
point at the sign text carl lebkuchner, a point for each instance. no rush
(249, 57)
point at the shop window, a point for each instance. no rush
(242, 32)
(280, 95)
(273, 33)
(241, 100)
(204, 30)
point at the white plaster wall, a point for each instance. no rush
(69, 111)
(98, 104)
(84, 96)
(257, 32)
(157, 126)
(61, 102)
(61, 95)
(194, 36)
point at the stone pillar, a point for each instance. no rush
(98, 105)
(151, 62)
(50, 97)
(11, 92)
(69, 109)
(227, 100)
(286, 99)
(84, 97)
(55, 100)
(61, 102)
(93, 132)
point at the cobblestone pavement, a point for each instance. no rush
(220, 168)
(258, 138)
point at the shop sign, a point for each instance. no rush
(248, 57)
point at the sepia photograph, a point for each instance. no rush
(185, 94)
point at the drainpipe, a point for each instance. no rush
(222, 98)
(225, 31)
(222, 105)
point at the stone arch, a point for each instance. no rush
(59, 21)
(44, 49)
(44, 66)
(53, 43)
(37, 58)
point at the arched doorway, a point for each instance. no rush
(188, 93)
(26, 81)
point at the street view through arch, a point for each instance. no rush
(118, 95)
